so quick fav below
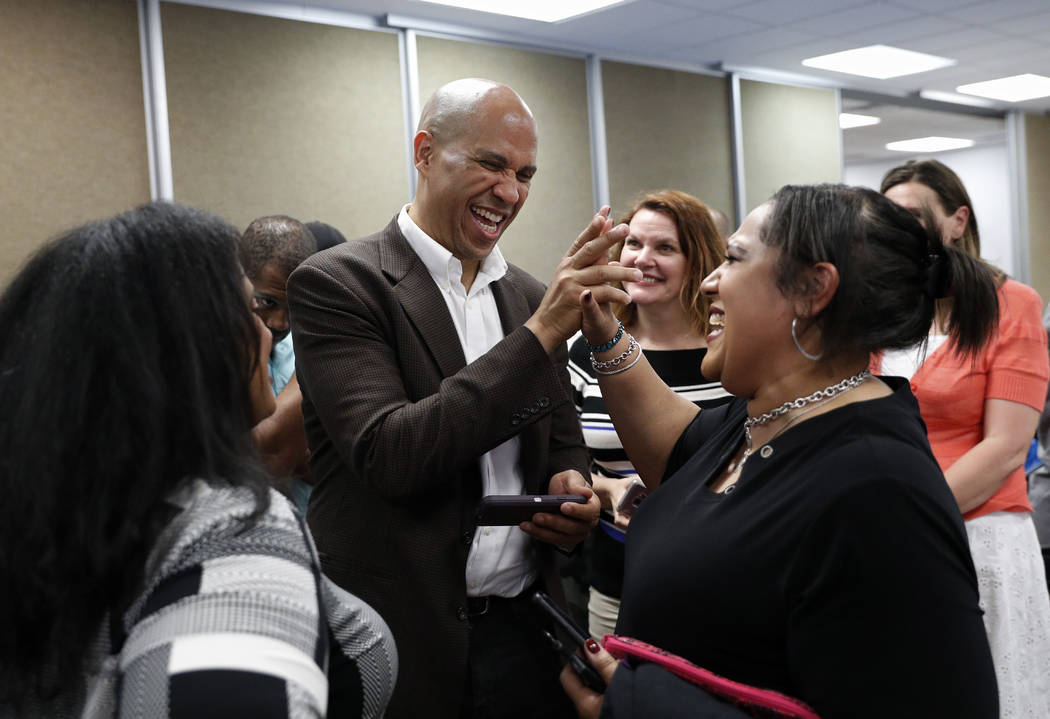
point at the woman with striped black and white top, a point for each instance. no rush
(675, 243)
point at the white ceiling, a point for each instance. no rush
(987, 38)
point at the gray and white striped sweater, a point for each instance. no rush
(228, 624)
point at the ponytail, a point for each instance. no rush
(972, 304)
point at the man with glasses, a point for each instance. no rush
(269, 250)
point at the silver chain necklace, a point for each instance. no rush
(826, 393)
(820, 397)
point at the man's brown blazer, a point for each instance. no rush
(396, 422)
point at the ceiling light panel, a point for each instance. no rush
(878, 61)
(955, 98)
(849, 119)
(540, 10)
(1016, 88)
(929, 144)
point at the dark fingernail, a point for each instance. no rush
(592, 646)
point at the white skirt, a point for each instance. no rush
(1012, 581)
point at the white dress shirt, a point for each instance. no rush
(500, 560)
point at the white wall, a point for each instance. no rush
(985, 172)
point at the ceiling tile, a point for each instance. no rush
(778, 12)
(935, 5)
(716, 5)
(993, 10)
(856, 18)
(703, 29)
(741, 49)
(900, 34)
(1008, 48)
(1036, 23)
(634, 18)
(949, 44)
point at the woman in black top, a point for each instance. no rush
(805, 540)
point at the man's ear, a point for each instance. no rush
(957, 222)
(422, 150)
(822, 282)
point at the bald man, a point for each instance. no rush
(422, 392)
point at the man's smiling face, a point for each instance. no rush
(478, 179)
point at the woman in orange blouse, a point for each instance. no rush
(981, 415)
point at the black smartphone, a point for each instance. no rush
(511, 509)
(636, 492)
(588, 674)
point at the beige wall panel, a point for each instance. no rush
(72, 119)
(272, 116)
(790, 136)
(1037, 160)
(561, 200)
(667, 129)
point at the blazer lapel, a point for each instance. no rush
(511, 303)
(421, 299)
(513, 311)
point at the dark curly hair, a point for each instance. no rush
(126, 348)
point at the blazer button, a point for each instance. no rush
(515, 419)
(461, 613)
(545, 402)
(468, 537)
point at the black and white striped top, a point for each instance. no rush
(680, 370)
(235, 619)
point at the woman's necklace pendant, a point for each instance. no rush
(739, 464)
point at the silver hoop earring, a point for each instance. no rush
(798, 346)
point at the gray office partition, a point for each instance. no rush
(790, 136)
(73, 139)
(667, 129)
(276, 116)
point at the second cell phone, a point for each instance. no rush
(636, 492)
(588, 674)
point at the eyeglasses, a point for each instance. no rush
(265, 303)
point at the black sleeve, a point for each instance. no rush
(693, 437)
(652, 691)
(884, 619)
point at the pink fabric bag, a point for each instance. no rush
(753, 700)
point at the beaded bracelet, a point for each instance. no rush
(630, 364)
(608, 345)
(619, 359)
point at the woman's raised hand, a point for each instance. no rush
(584, 270)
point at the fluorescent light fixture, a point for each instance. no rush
(929, 144)
(541, 10)
(956, 98)
(848, 120)
(878, 61)
(1016, 88)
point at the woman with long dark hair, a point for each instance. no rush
(148, 570)
(981, 412)
(801, 538)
